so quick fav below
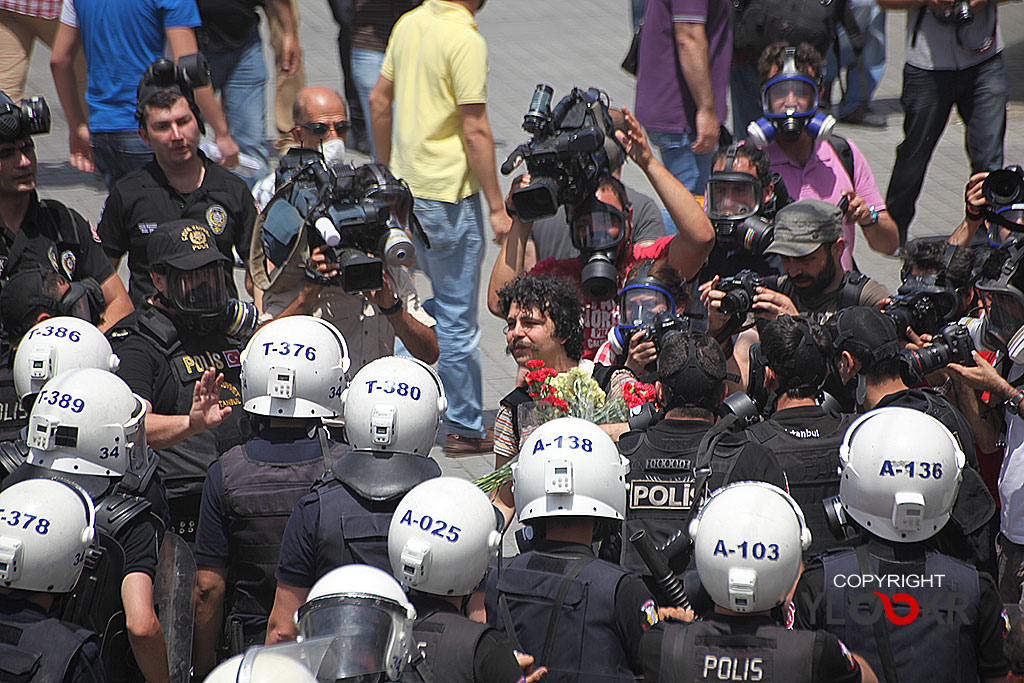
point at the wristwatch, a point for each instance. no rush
(393, 308)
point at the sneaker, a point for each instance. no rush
(457, 444)
(865, 116)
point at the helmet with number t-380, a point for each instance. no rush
(443, 535)
(394, 403)
(88, 422)
(569, 467)
(748, 541)
(295, 367)
(56, 345)
(900, 473)
(46, 527)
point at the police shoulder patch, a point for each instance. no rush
(216, 218)
(850, 663)
(649, 614)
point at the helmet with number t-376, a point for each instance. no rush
(46, 528)
(56, 345)
(394, 403)
(295, 367)
(748, 541)
(569, 467)
(88, 422)
(443, 535)
(900, 471)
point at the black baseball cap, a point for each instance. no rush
(183, 244)
(867, 333)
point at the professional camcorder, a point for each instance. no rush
(572, 145)
(740, 290)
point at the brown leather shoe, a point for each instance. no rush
(457, 444)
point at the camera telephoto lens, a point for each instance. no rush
(1003, 187)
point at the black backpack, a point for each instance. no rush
(759, 23)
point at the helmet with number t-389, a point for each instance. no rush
(443, 535)
(569, 467)
(900, 473)
(748, 541)
(88, 422)
(56, 345)
(394, 404)
(46, 527)
(295, 367)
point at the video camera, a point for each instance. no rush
(952, 345)
(31, 118)
(740, 290)
(572, 145)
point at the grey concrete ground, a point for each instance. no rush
(567, 43)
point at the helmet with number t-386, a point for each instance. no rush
(56, 345)
(46, 527)
(443, 535)
(88, 422)
(748, 541)
(295, 367)
(569, 467)
(900, 473)
(394, 403)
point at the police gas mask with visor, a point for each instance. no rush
(733, 202)
(191, 71)
(789, 102)
(19, 122)
(29, 292)
(601, 234)
(1003, 300)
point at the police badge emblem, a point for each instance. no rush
(67, 259)
(197, 236)
(216, 218)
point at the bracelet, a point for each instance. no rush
(874, 217)
(972, 212)
(392, 309)
(1014, 402)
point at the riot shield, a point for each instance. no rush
(173, 593)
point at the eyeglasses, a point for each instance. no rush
(319, 129)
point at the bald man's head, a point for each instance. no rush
(317, 105)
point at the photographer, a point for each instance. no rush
(607, 215)
(997, 217)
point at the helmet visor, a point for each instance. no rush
(203, 290)
(790, 95)
(638, 304)
(597, 226)
(364, 627)
(1000, 235)
(135, 433)
(732, 195)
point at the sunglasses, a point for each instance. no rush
(319, 129)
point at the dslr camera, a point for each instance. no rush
(740, 290)
(572, 145)
(1004, 187)
(925, 312)
(960, 14)
(952, 345)
(31, 118)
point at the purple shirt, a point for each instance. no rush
(825, 178)
(663, 102)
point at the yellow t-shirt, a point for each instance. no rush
(437, 60)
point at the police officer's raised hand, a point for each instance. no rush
(206, 411)
(526, 664)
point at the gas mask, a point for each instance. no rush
(643, 298)
(28, 290)
(789, 102)
(192, 71)
(1003, 300)
(733, 202)
(31, 118)
(198, 302)
(1005, 225)
(600, 232)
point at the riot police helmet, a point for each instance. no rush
(56, 345)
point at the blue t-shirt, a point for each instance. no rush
(120, 39)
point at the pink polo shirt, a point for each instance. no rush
(825, 178)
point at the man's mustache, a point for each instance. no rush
(517, 345)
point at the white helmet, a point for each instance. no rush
(569, 466)
(367, 609)
(900, 473)
(295, 367)
(56, 345)
(394, 403)
(50, 525)
(261, 665)
(443, 535)
(748, 541)
(88, 422)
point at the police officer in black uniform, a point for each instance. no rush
(39, 568)
(87, 427)
(180, 182)
(251, 489)
(393, 408)
(942, 617)
(748, 540)
(440, 572)
(181, 353)
(678, 460)
(803, 435)
(579, 616)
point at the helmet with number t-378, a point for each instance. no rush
(394, 403)
(46, 528)
(295, 367)
(900, 473)
(748, 541)
(569, 467)
(56, 345)
(443, 535)
(88, 422)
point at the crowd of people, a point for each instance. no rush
(729, 454)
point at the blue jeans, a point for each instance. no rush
(241, 75)
(692, 170)
(745, 91)
(118, 153)
(863, 78)
(365, 72)
(456, 233)
(980, 94)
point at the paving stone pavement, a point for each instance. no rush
(581, 43)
